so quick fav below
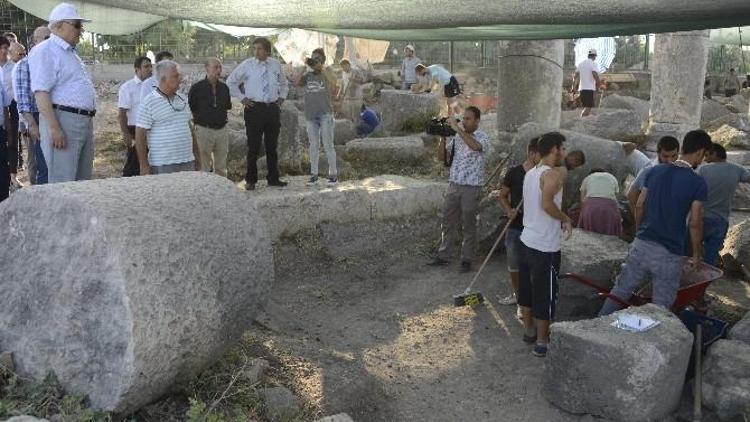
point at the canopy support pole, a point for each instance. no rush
(450, 56)
(742, 52)
(646, 52)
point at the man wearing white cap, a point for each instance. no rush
(587, 79)
(408, 67)
(65, 97)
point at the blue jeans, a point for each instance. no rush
(714, 232)
(322, 129)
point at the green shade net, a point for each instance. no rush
(422, 19)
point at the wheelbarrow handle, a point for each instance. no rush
(602, 291)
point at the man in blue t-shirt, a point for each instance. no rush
(369, 121)
(671, 191)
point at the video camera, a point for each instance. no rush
(439, 127)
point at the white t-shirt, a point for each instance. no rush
(587, 81)
(129, 97)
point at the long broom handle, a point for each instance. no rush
(497, 242)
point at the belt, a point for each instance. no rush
(255, 103)
(89, 113)
(215, 127)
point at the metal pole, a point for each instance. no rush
(450, 56)
(698, 376)
(646, 52)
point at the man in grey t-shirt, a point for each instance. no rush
(722, 179)
(319, 84)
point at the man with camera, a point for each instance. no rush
(465, 154)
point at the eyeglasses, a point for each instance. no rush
(75, 24)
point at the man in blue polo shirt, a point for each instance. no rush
(671, 191)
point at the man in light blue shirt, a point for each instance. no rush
(261, 86)
(65, 97)
(451, 88)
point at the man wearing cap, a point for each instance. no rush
(408, 67)
(587, 79)
(65, 97)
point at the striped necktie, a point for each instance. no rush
(265, 83)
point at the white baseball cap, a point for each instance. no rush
(592, 51)
(65, 12)
(409, 47)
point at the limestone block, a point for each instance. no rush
(741, 330)
(295, 208)
(737, 121)
(593, 367)
(712, 110)
(343, 168)
(596, 256)
(280, 404)
(599, 152)
(291, 149)
(741, 196)
(403, 149)
(726, 378)
(404, 112)
(731, 138)
(738, 104)
(619, 125)
(346, 130)
(237, 145)
(25, 418)
(136, 284)
(737, 243)
(628, 103)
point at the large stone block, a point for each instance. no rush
(291, 149)
(599, 152)
(132, 285)
(628, 103)
(737, 243)
(738, 104)
(403, 149)
(595, 256)
(617, 125)
(726, 379)
(595, 368)
(741, 330)
(737, 121)
(713, 110)
(345, 131)
(404, 112)
(731, 138)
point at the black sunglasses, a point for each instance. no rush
(75, 24)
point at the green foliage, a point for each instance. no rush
(198, 412)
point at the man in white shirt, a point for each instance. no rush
(466, 150)
(164, 122)
(128, 100)
(4, 170)
(149, 84)
(264, 90)
(408, 67)
(66, 98)
(11, 125)
(587, 79)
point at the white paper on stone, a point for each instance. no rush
(634, 322)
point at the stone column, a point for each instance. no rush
(679, 71)
(529, 84)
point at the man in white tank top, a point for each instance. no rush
(543, 224)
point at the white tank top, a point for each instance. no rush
(540, 231)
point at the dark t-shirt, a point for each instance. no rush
(209, 108)
(671, 192)
(514, 181)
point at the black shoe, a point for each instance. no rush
(277, 183)
(437, 261)
(465, 267)
(249, 186)
(529, 339)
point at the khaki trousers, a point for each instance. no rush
(214, 147)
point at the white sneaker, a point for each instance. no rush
(508, 300)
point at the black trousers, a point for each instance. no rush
(132, 167)
(13, 140)
(4, 167)
(262, 123)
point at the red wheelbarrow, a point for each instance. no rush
(693, 284)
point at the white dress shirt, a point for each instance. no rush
(57, 69)
(249, 73)
(129, 98)
(4, 102)
(8, 78)
(148, 86)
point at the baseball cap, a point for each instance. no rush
(65, 12)
(409, 47)
(592, 51)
